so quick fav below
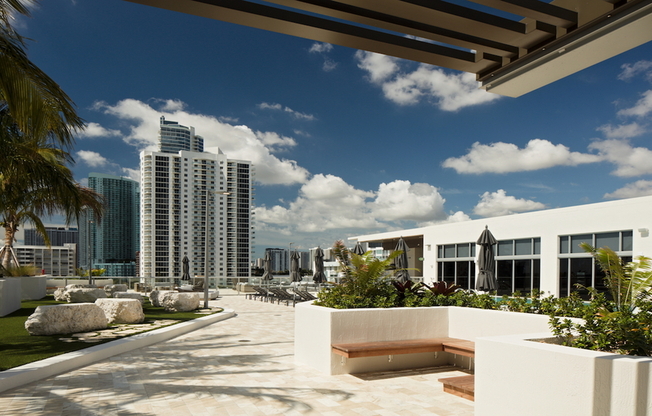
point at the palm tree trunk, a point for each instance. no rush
(8, 254)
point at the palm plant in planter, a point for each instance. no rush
(621, 325)
(366, 282)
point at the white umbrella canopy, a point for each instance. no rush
(486, 280)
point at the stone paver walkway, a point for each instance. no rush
(241, 366)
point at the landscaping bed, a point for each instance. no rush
(19, 348)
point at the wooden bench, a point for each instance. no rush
(459, 386)
(412, 346)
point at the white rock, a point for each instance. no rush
(66, 319)
(111, 289)
(59, 294)
(129, 295)
(155, 296)
(83, 295)
(180, 302)
(122, 311)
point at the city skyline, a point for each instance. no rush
(344, 142)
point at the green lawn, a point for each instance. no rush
(17, 347)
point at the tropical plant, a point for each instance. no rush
(36, 102)
(35, 182)
(18, 271)
(366, 282)
(626, 282)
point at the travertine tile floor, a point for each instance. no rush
(240, 366)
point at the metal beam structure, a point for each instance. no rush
(513, 46)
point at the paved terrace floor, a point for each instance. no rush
(240, 366)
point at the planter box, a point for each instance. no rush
(9, 295)
(33, 287)
(514, 376)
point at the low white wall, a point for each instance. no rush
(77, 281)
(33, 287)
(525, 377)
(9, 295)
(472, 323)
(513, 376)
(316, 328)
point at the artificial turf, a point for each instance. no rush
(18, 347)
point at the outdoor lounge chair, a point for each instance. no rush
(261, 293)
(304, 294)
(281, 295)
(197, 287)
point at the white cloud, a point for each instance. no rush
(92, 159)
(401, 200)
(327, 202)
(624, 131)
(642, 108)
(632, 70)
(507, 157)
(322, 49)
(632, 190)
(132, 173)
(319, 47)
(296, 114)
(274, 139)
(629, 161)
(237, 142)
(494, 204)
(93, 130)
(447, 91)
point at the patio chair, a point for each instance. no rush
(260, 292)
(304, 294)
(281, 295)
(197, 287)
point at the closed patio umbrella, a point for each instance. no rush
(486, 280)
(267, 267)
(294, 267)
(402, 261)
(358, 249)
(186, 268)
(319, 276)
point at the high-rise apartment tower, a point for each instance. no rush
(174, 137)
(195, 204)
(111, 243)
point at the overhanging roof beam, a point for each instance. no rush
(401, 25)
(311, 27)
(535, 9)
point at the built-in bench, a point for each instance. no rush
(459, 386)
(412, 346)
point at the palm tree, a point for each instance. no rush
(35, 182)
(35, 102)
(37, 126)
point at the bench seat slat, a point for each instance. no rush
(379, 348)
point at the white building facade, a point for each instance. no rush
(52, 261)
(535, 250)
(199, 205)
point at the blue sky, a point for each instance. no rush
(344, 142)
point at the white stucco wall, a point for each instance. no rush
(522, 377)
(626, 214)
(9, 295)
(33, 287)
(513, 376)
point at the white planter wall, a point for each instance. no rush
(9, 295)
(513, 376)
(33, 287)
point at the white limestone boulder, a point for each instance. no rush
(122, 311)
(155, 296)
(83, 295)
(180, 302)
(129, 295)
(111, 289)
(66, 319)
